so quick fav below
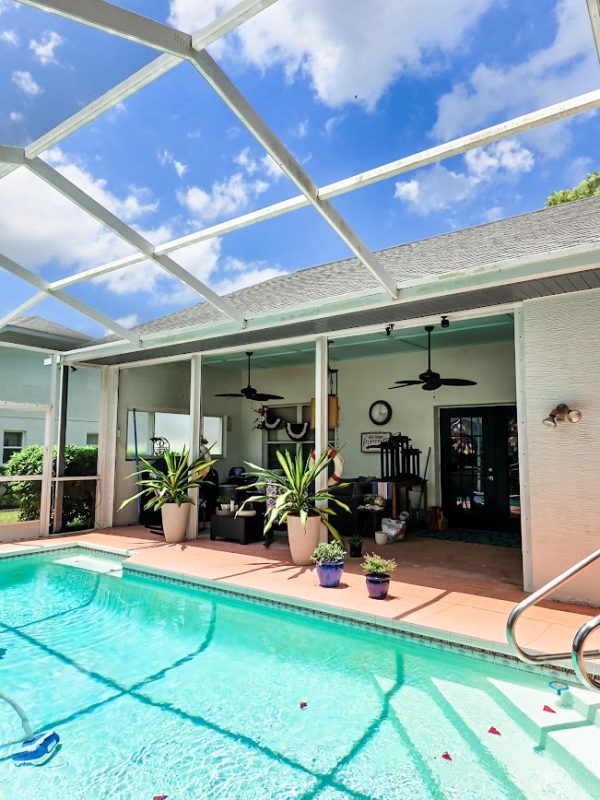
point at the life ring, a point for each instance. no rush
(338, 465)
(205, 453)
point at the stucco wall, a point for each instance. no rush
(562, 364)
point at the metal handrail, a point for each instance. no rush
(576, 654)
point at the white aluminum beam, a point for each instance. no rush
(22, 309)
(534, 119)
(594, 12)
(247, 115)
(100, 14)
(117, 20)
(219, 27)
(130, 235)
(43, 286)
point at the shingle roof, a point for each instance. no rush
(42, 325)
(538, 232)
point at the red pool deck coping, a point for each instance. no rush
(459, 590)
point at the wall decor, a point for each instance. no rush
(380, 412)
(369, 442)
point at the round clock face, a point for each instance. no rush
(380, 412)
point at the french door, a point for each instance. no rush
(480, 467)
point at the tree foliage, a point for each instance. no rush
(589, 187)
(79, 497)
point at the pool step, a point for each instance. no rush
(570, 731)
(530, 768)
(90, 564)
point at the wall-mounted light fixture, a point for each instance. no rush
(562, 413)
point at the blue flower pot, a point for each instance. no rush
(377, 586)
(330, 573)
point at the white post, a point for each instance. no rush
(321, 409)
(46, 493)
(195, 435)
(526, 542)
(107, 447)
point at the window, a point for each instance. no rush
(174, 428)
(12, 443)
(92, 439)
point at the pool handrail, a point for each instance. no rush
(576, 655)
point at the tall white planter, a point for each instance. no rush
(174, 521)
(303, 540)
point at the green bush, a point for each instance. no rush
(79, 497)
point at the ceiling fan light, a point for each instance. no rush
(574, 415)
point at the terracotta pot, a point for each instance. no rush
(174, 521)
(303, 540)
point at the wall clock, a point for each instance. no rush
(380, 412)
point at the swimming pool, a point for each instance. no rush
(158, 688)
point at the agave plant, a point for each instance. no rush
(172, 484)
(294, 490)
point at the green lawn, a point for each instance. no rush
(8, 515)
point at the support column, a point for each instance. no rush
(195, 435)
(107, 447)
(321, 409)
(46, 491)
(61, 439)
(526, 544)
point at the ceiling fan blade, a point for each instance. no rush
(229, 394)
(264, 396)
(403, 384)
(457, 382)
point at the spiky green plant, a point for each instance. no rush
(172, 484)
(376, 565)
(297, 496)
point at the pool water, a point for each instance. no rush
(158, 688)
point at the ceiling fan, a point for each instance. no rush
(249, 392)
(430, 380)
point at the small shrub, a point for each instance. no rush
(327, 552)
(375, 565)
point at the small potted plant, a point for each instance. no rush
(355, 542)
(329, 558)
(168, 490)
(377, 572)
(296, 501)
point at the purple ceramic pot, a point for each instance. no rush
(330, 573)
(377, 586)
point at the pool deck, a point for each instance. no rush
(462, 591)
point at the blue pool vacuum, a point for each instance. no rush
(36, 749)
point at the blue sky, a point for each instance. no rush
(344, 90)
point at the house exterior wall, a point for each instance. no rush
(562, 364)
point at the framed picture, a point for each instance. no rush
(368, 440)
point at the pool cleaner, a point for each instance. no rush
(36, 749)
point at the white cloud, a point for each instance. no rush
(566, 67)
(245, 160)
(247, 275)
(271, 167)
(332, 122)
(15, 116)
(438, 188)
(224, 199)
(24, 81)
(43, 49)
(346, 48)
(166, 157)
(129, 321)
(492, 214)
(301, 129)
(9, 37)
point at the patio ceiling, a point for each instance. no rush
(177, 46)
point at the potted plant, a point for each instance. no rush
(296, 501)
(377, 572)
(168, 490)
(329, 558)
(356, 543)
